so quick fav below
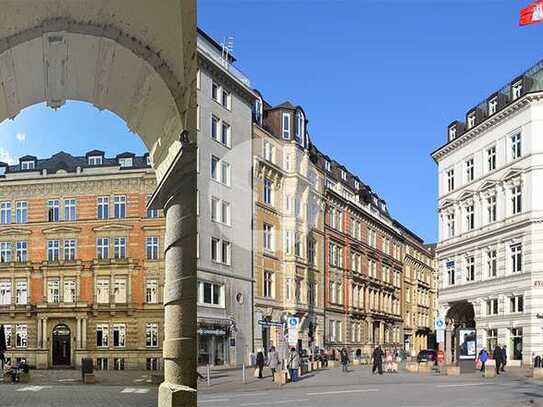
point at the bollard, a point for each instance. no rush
(208, 376)
(244, 378)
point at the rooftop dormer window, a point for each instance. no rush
(517, 90)
(258, 111)
(327, 166)
(357, 185)
(493, 106)
(471, 120)
(28, 165)
(125, 162)
(148, 160)
(286, 126)
(95, 160)
(452, 133)
(343, 175)
(299, 127)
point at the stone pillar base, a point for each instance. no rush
(172, 395)
(453, 371)
(41, 359)
(490, 371)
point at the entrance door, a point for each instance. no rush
(61, 346)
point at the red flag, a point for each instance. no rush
(532, 14)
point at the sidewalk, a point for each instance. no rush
(103, 377)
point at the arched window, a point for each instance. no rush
(300, 128)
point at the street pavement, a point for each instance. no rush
(331, 387)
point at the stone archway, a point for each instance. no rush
(138, 60)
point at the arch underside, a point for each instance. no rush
(55, 66)
(461, 312)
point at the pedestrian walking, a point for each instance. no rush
(504, 357)
(273, 361)
(260, 363)
(483, 357)
(388, 361)
(377, 357)
(293, 364)
(498, 357)
(344, 356)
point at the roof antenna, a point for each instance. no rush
(227, 49)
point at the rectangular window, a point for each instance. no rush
(450, 225)
(491, 339)
(21, 294)
(102, 248)
(69, 249)
(119, 206)
(125, 162)
(517, 90)
(21, 212)
(151, 364)
(215, 92)
(516, 258)
(516, 147)
(21, 336)
(516, 199)
(492, 106)
(102, 207)
(311, 251)
(53, 210)
(225, 134)
(220, 251)
(491, 209)
(151, 247)
(268, 290)
(69, 210)
(220, 211)
(220, 171)
(5, 213)
(119, 291)
(226, 99)
(95, 160)
(517, 303)
(151, 291)
(471, 120)
(215, 123)
(492, 264)
(69, 291)
(491, 158)
(151, 213)
(450, 180)
(470, 170)
(151, 334)
(470, 217)
(268, 151)
(53, 291)
(470, 268)
(101, 363)
(28, 165)
(451, 276)
(268, 237)
(102, 291)
(119, 335)
(492, 307)
(210, 294)
(5, 252)
(118, 363)
(53, 250)
(286, 126)
(5, 292)
(119, 247)
(268, 194)
(102, 336)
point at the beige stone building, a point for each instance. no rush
(81, 265)
(289, 237)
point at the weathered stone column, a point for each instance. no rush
(177, 195)
(448, 343)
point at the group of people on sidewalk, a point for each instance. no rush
(274, 362)
(14, 370)
(500, 356)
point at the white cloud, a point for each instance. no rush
(6, 157)
(21, 136)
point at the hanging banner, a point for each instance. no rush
(532, 14)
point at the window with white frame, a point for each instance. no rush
(491, 158)
(119, 206)
(102, 291)
(5, 213)
(372, 268)
(210, 293)
(516, 303)
(70, 210)
(226, 99)
(516, 199)
(216, 92)
(53, 291)
(21, 212)
(5, 252)
(151, 291)
(119, 291)
(470, 268)
(220, 250)
(311, 293)
(220, 211)
(53, 210)
(226, 134)
(151, 213)
(151, 364)
(220, 171)
(298, 291)
(492, 306)
(517, 90)
(491, 263)
(102, 248)
(470, 170)
(516, 257)
(470, 217)
(492, 106)
(151, 247)
(268, 237)
(311, 251)
(151, 334)
(21, 292)
(268, 151)
(102, 335)
(516, 146)
(288, 241)
(94, 160)
(28, 165)
(450, 224)
(491, 208)
(102, 207)
(5, 292)
(53, 250)
(298, 244)
(69, 249)
(268, 191)
(286, 126)
(288, 290)
(126, 162)
(471, 120)
(268, 289)
(299, 127)
(327, 166)
(69, 294)
(119, 247)
(335, 255)
(450, 180)
(118, 363)
(21, 336)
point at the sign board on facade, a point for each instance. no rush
(218, 332)
(439, 324)
(450, 264)
(538, 283)
(466, 343)
(440, 336)
(293, 324)
(270, 323)
(440, 356)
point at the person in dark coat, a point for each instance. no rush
(260, 363)
(377, 357)
(504, 357)
(344, 356)
(498, 356)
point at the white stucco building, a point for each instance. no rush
(490, 251)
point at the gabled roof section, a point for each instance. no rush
(487, 185)
(466, 195)
(511, 173)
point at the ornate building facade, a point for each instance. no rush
(81, 267)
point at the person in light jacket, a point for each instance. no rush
(293, 364)
(273, 361)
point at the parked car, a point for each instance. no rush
(428, 355)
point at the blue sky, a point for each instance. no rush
(379, 80)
